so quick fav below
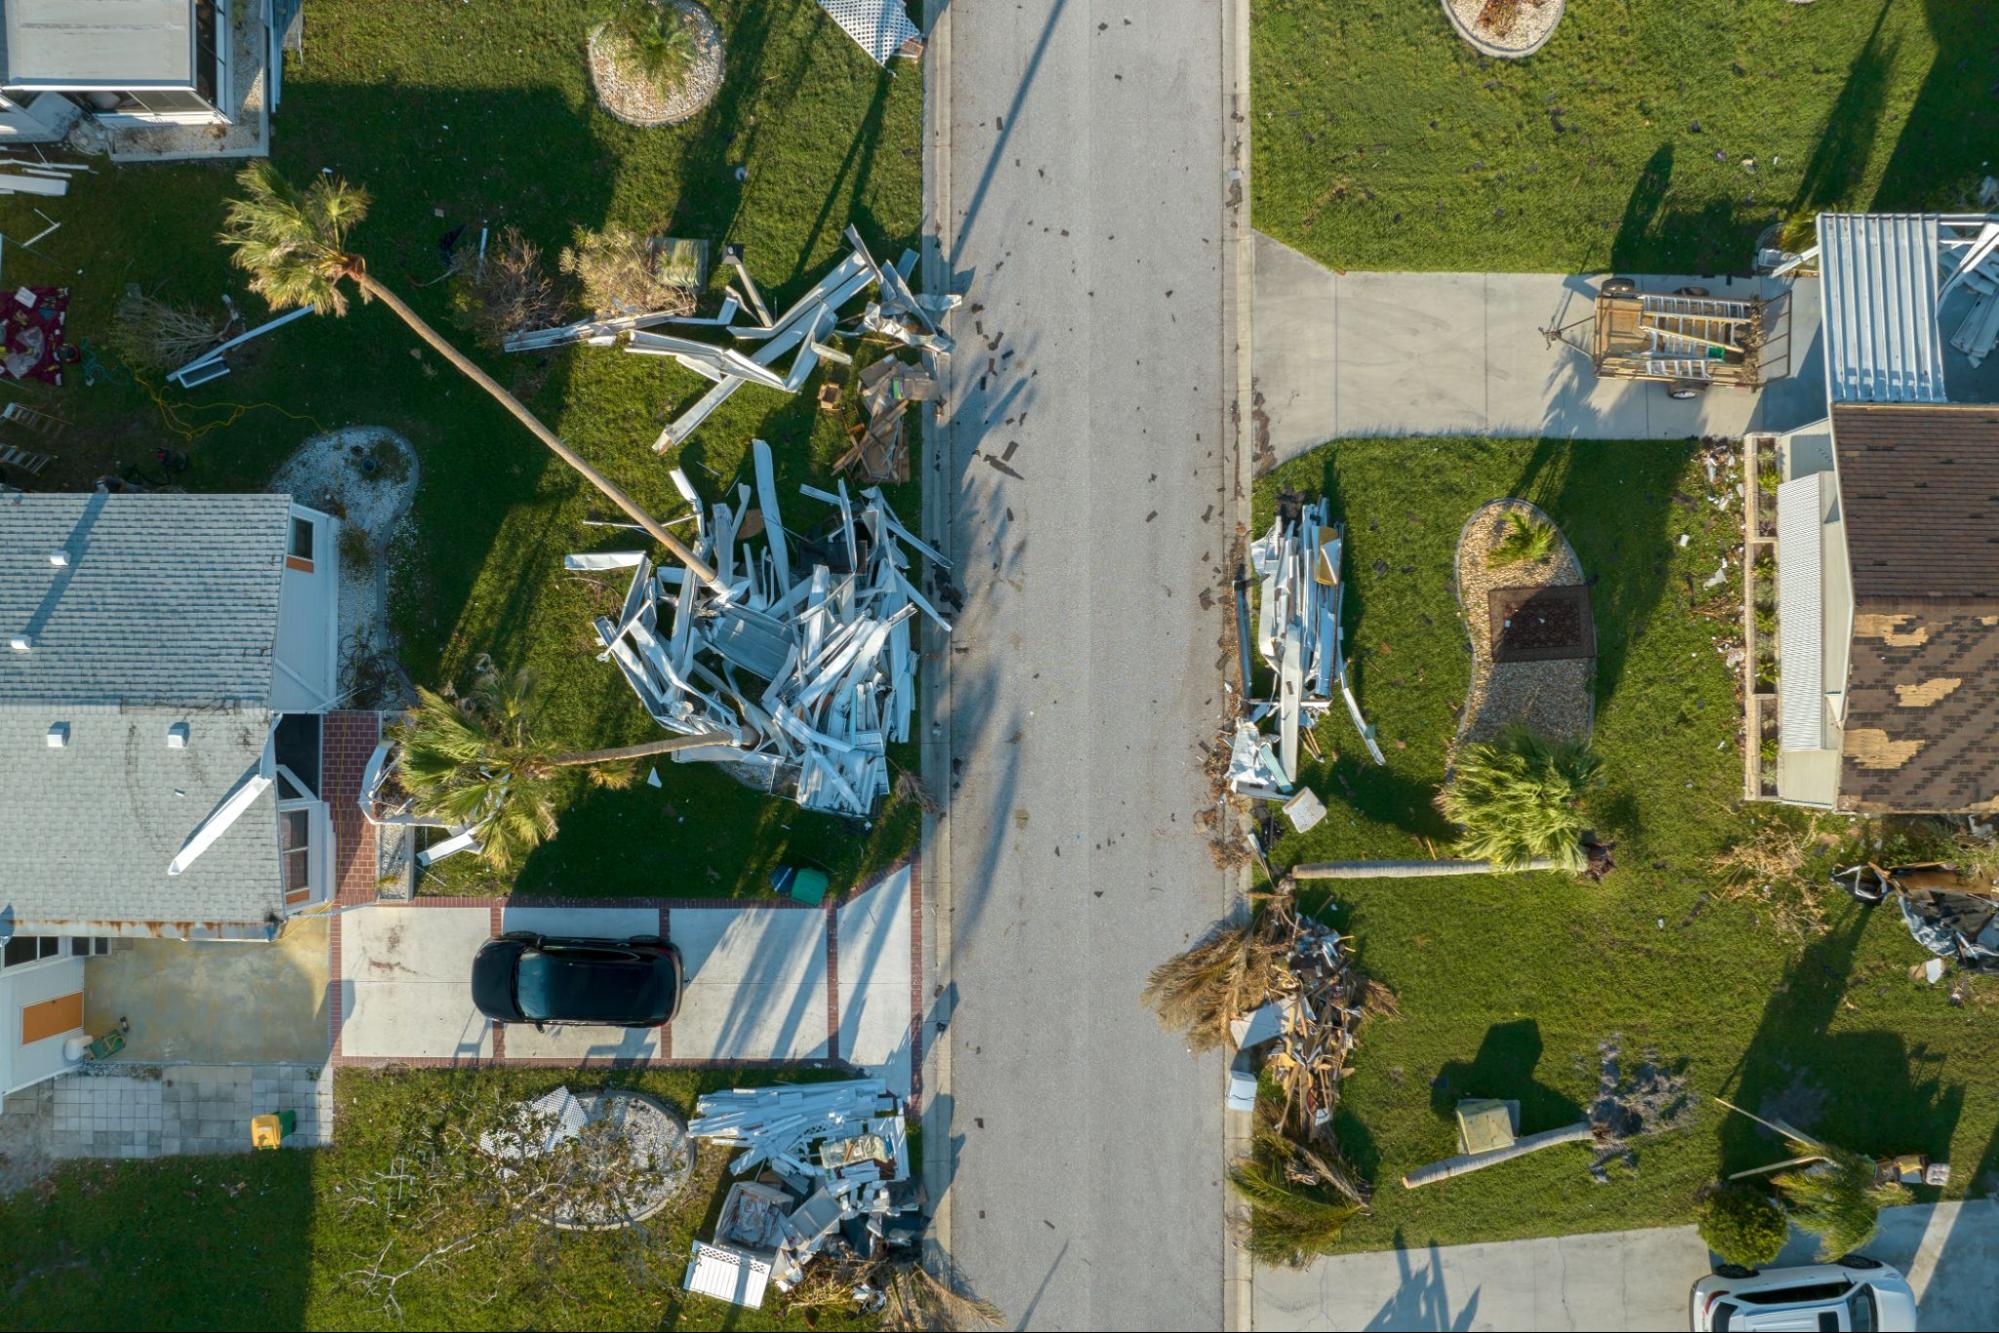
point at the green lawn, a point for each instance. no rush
(271, 1240)
(482, 114)
(1508, 983)
(1383, 141)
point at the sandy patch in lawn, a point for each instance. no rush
(1556, 699)
(329, 473)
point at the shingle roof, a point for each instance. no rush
(1922, 711)
(90, 827)
(167, 599)
(1919, 491)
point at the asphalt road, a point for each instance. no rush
(1090, 476)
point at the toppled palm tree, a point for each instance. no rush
(293, 243)
(1838, 1198)
(1519, 799)
(1300, 1200)
(480, 766)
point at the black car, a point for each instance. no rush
(528, 978)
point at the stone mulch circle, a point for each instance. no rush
(1527, 25)
(627, 95)
(628, 1131)
(1554, 696)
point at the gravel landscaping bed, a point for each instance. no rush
(1554, 698)
(1512, 28)
(637, 99)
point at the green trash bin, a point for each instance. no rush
(800, 884)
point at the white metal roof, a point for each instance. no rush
(109, 44)
(1878, 274)
(1801, 613)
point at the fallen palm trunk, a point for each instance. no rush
(1408, 869)
(1466, 1163)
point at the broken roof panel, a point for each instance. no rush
(1879, 286)
(108, 44)
(140, 599)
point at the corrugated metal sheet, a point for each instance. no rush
(1878, 274)
(1801, 614)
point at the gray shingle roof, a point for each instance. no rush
(167, 599)
(90, 828)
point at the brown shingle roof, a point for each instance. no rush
(1919, 489)
(1922, 709)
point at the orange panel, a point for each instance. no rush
(51, 1018)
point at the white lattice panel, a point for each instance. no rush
(880, 26)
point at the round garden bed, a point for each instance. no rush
(1505, 29)
(1533, 640)
(627, 92)
(628, 1161)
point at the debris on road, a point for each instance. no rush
(807, 663)
(834, 1180)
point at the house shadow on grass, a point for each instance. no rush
(1504, 1069)
(1862, 1090)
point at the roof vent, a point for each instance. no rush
(59, 736)
(21, 643)
(177, 736)
(60, 559)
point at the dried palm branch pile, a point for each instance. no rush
(1280, 982)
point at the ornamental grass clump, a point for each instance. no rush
(1520, 799)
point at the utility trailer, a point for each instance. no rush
(1688, 339)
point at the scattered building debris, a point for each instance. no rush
(834, 1179)
(878, 455)
(807, 663)
(881, 27)
(1298, 632)
(1952, 914)
(622, 1156)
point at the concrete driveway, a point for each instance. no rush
(1360, 354)
(1613, 1280)
(766, 981)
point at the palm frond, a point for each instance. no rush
(1839, 1199)
(1291, 1222)
(1520, 798)
(1201, 991)
(293, 244)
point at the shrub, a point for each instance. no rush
(510, 292)
(357, 551)
(153, 335)
(1520, 798)
(1742, 1225)
(624, 273)
(658, 38)
(1838, 1200)
(1522, 540)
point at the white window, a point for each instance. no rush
(295, 850)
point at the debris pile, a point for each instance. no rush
(806, 664)
(783, 351)
(1306, 1027)
(1979, 270)
(878, 454)
(599, 1161)
(1298, 633)
(832, 1178)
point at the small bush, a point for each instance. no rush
(1522, 541)
(658, 38)
(150, 334)
(357, 551)
(1742, 1225)
(1838, 1200)
(1520, 798)
(623, 273)
(509, 293)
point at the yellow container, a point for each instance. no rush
(266, 1131)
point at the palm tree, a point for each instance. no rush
(482, 768)
(1519, 800)
(294, 246)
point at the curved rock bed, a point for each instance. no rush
(1522, 27)
(1554, 698)
(628, 95)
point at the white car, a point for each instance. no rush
(1857, 1293)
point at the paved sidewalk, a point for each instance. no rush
(766, 981)
(1613, 1280)
(1360, 354)
(128, 1110)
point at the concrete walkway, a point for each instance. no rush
(1613, 1280)
(767, 982)
(1360, 354)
